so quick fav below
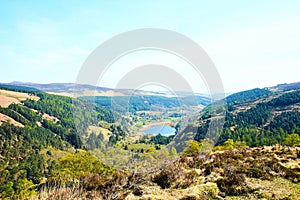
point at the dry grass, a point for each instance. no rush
(276, 189)
(50, 118)
(99, 130)
(9, 97)
(4, 118)
(99, 93)
(66, 193)
(6, 101)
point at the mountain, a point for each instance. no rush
(71, 89)
(259, 116)
(286, 86)
(139, 100)
(67, 89)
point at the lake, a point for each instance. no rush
(158, 129)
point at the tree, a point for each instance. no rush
(229, 144)
(206, 145)
(24, 189)
(192, 147)
(173, 152)
(74, 139)
(6, 190)
(72, 167)
(292, 140)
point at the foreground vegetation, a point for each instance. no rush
(245, 173)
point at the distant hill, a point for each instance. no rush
(103, 95)
(248, 95)
(287, 86)
(149, 102)
(89, 90)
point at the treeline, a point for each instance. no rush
(14, 115)
(29, 114)
(262, 112)
(17, 88)
(157, 139)
(257, 115)
(247, 95)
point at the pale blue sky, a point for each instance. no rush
(253, 43)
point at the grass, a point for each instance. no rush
(18, 95)
(66, 193)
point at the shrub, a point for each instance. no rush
(238, 156)
(292, 140)
(233, 182)
(192, 147)
(74, 167)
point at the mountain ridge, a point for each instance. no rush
(74, 88)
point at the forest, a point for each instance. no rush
(147, 102)
(22, 161)
(258, 125)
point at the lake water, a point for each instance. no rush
(163, 130)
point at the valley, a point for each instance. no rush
(98, 147)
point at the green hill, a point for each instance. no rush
(52, 122)
(258, 117)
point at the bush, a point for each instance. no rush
(292, 140)
(173, 176)
(233, 182)
(22, 189)
(74, 167)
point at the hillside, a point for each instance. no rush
(148, 102)
(34, 123)
(259, 116)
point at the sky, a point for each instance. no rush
(252, 43)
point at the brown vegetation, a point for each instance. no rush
(249, 173)
(4, 118)
(9, 97)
